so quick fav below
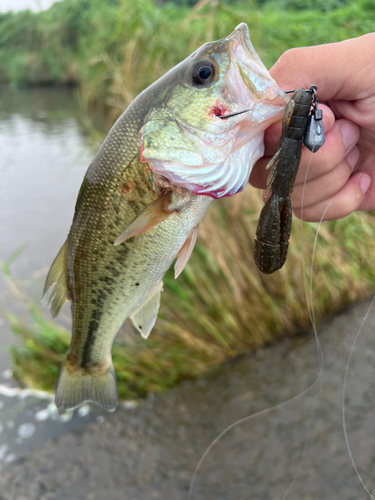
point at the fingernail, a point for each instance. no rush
(352, 157)
(349, 135)
(365, 183)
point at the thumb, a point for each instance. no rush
(340, 70)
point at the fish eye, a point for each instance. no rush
(203, 72)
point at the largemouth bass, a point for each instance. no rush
(147, 189)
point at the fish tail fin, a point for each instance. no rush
(76, 386)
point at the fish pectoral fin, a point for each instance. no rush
(150, 216)
(144, 318)
(184, 254)
(57, 276)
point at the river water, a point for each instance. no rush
(289, 441)
(44, 155)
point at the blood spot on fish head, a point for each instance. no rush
(219, 110)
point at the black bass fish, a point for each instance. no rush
(143, 196)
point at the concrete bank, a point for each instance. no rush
(151, 451)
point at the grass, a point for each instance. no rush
(114, 49)
(221, 306)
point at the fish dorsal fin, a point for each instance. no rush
(144, 318)
(57, 276)
(184, 254)
(150, 216)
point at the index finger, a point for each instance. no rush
(338, 69)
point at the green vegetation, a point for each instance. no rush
(221, 306)
(115, 48)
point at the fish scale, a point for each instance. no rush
(127, 197)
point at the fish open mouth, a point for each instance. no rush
(253, 72)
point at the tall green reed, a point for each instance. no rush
(221, 306)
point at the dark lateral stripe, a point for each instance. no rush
(107, 284)
(92, 329)
(89, 342)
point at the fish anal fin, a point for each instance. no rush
(184, 254)
(56, 278)
(144, 317)
(79, 385)
(150, 216)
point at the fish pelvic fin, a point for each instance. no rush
(186, 250)
(56, 278)
(144, 318)
(150, 216)
(77, 385)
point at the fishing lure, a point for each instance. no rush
(275, 221)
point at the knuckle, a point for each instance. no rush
(324, 162)
(320, 163)
(347, 171)
(291, 63)
(296, 202)
(329, 158)
(370, 40)
(339, 176)
(297, 212)
(290, 58)
(313, 213)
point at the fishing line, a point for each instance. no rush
(298, 396)
(310, 308)
(245, 419)
(311, 313)
(344, 395)
(312, 317)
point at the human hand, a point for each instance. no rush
(343, 170)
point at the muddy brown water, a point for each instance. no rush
(289, 442)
